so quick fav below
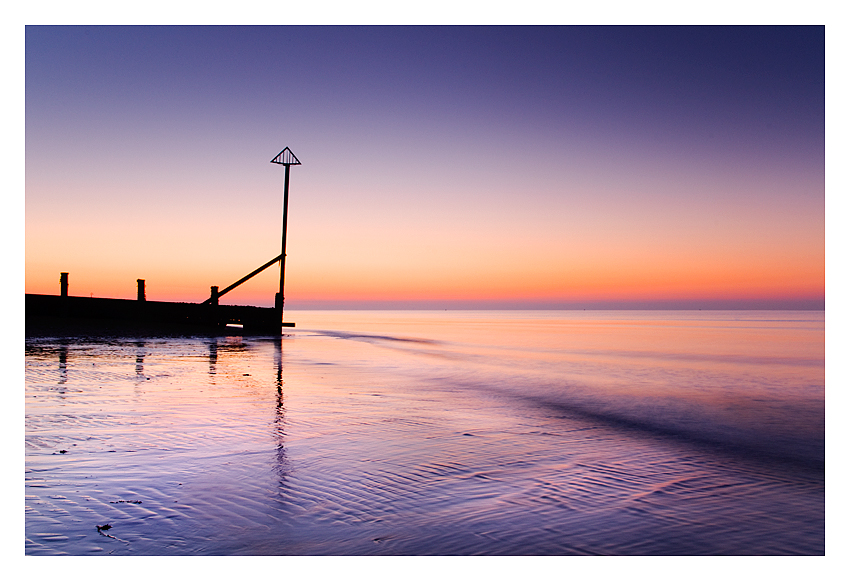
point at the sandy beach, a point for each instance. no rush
(356, 440)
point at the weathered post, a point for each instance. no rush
(140, 292)
(211, 315)
(63, 284)
(283, 236)
(285, 158)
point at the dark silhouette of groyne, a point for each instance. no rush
(68, 313)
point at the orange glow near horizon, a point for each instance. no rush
(446, 276)
(699, 250)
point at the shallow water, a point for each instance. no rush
(424, 432)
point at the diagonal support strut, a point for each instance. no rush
(244, 278)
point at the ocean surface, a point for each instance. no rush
(434, 433)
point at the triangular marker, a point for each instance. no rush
(286, 157)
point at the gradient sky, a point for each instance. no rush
(562, 167)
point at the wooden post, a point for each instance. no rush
(285, 158)
(63, 284)
(140, 294)
(214, 295)
(283, 242)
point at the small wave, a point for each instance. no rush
(370, 338)
(749, 442)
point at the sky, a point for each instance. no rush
(443, 167)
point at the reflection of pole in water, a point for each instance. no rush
(213, 356)
(140, 358)
(63, 363)
(279, 433)
(278, 347)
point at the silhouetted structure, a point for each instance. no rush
(285, 158)
(65, 311)
(46, 312)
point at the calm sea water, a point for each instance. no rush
(425, 432)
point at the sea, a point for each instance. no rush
(433, 433)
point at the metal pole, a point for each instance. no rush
(283, 241)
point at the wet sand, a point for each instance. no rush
(329, 441)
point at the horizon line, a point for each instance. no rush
(660, 305)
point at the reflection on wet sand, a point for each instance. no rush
(140, 359)
(231, 347)
(63, 361)
(188, 444)
(374, 448)
(281, 462)
(213, 347)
